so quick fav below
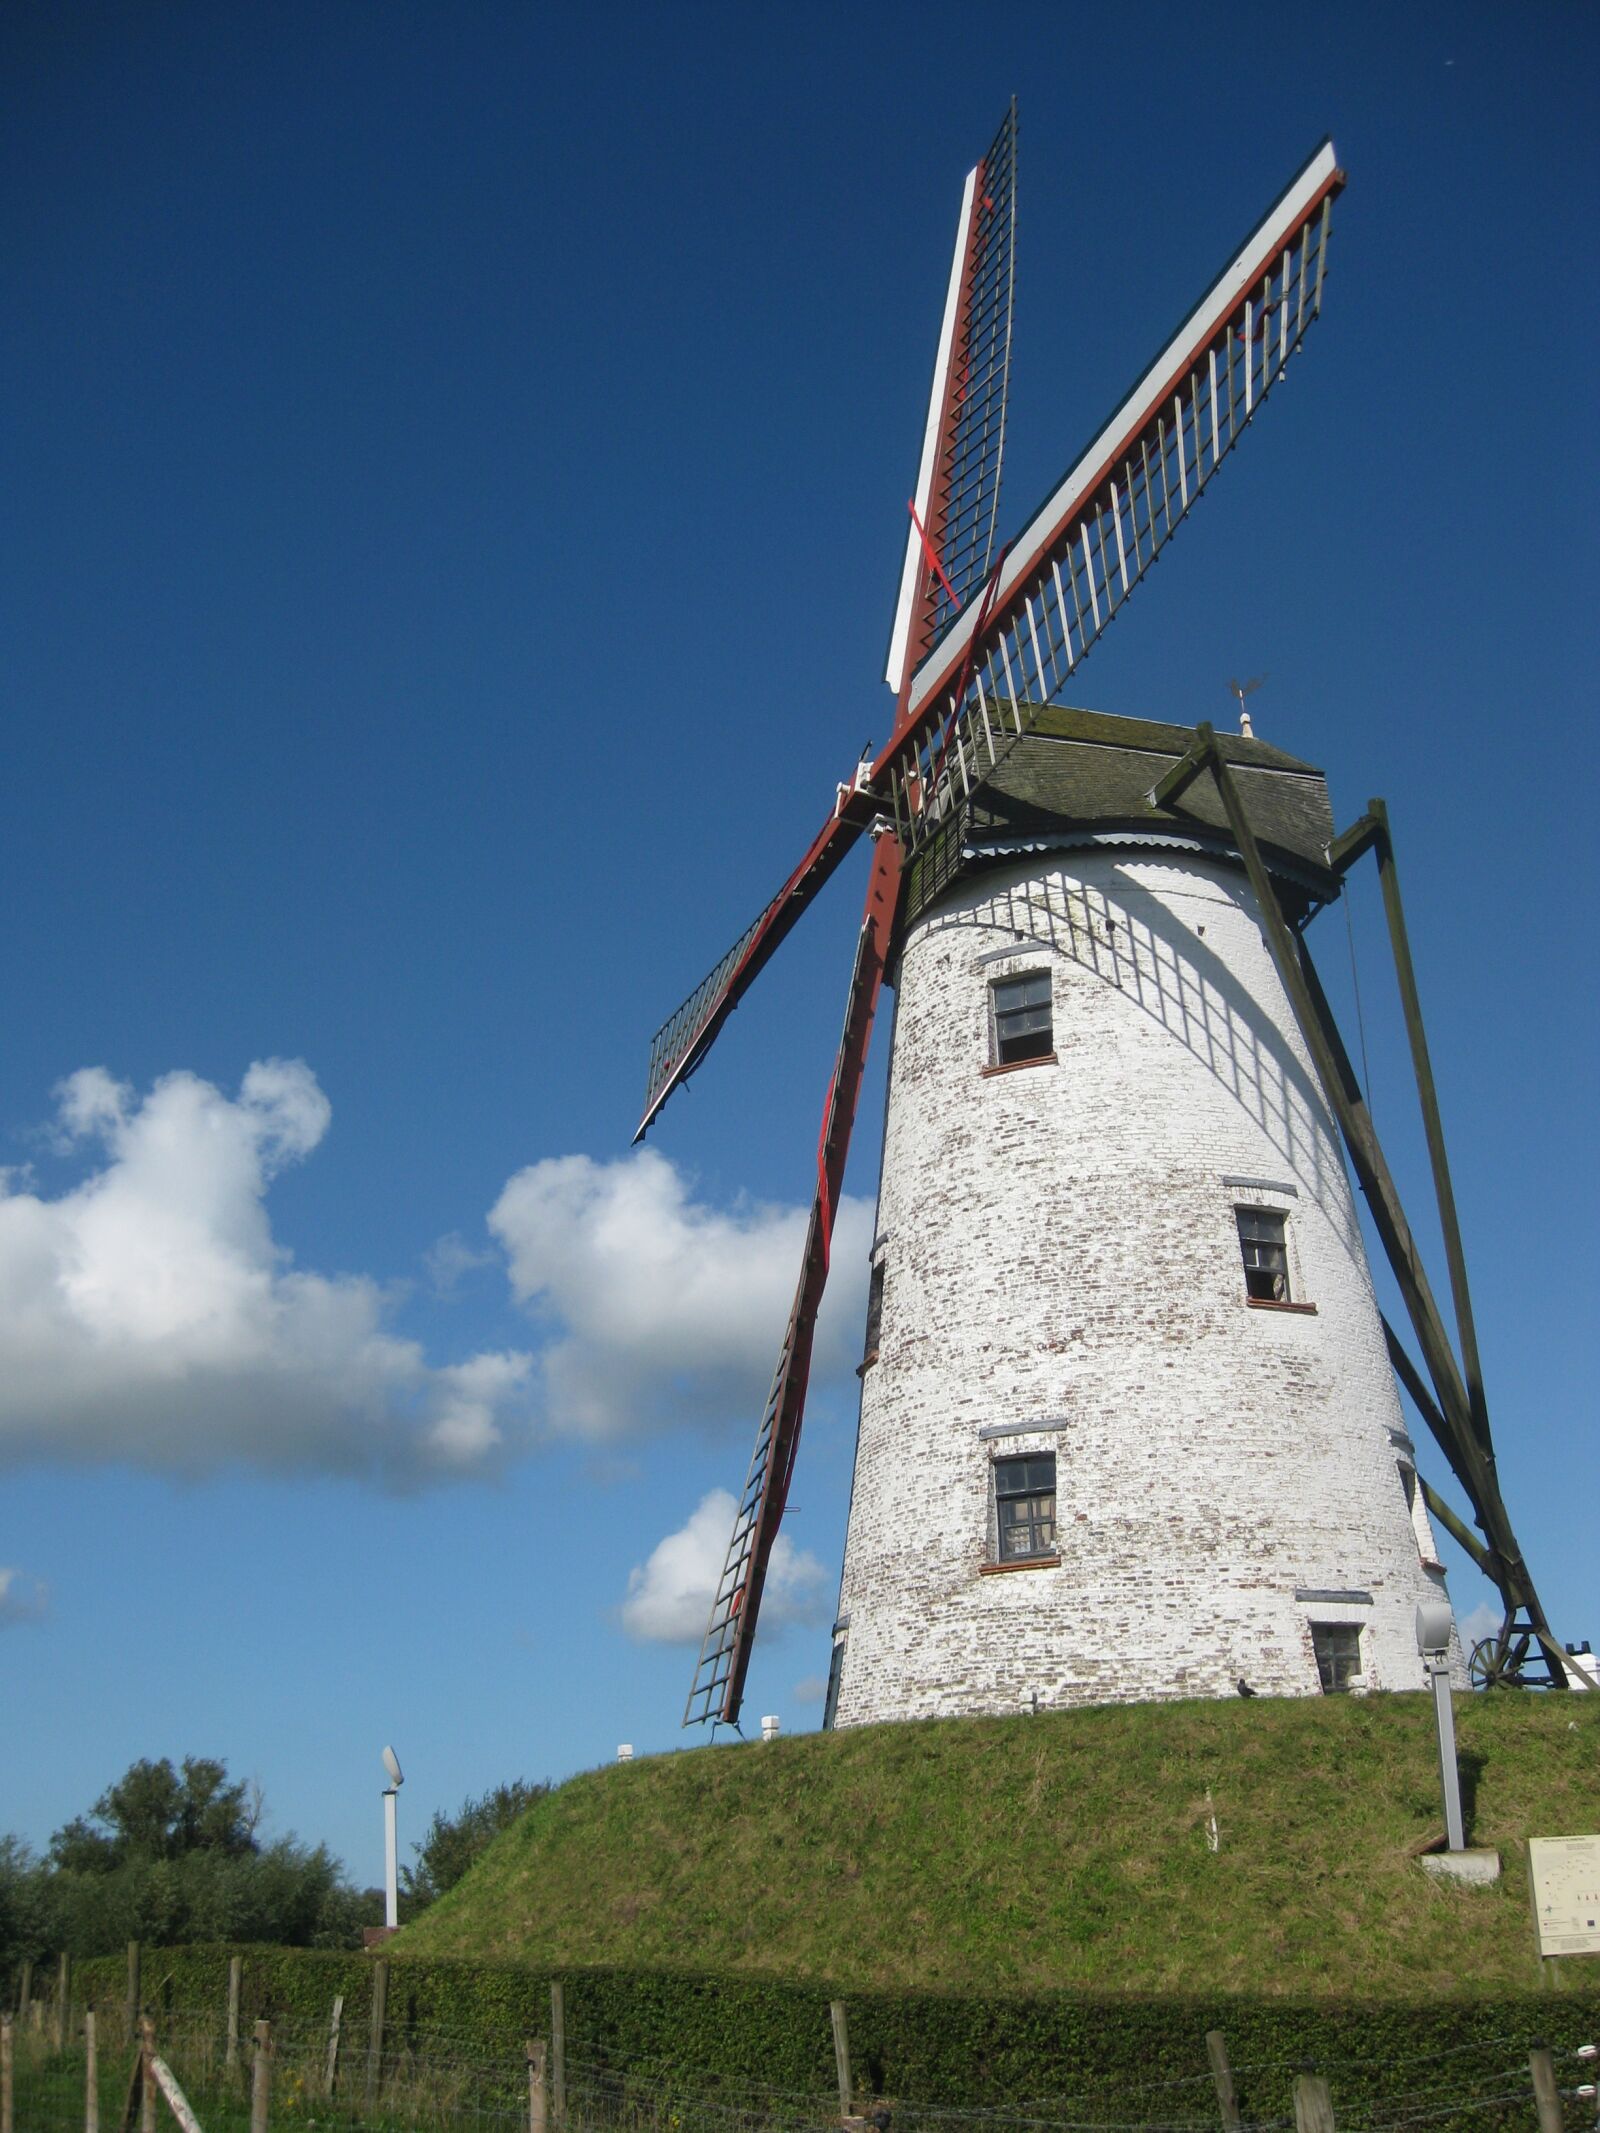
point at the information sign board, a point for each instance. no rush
(1565, 1876)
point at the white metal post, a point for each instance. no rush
(391, 1859)
(1449, 1770)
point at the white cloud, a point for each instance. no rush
(663, 1310)
(669, 1597)
(810, 1688)
(449, 1259)
(22, 1598)
(1482, 1621)
(147, 1314)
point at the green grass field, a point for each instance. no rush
(1071, 1850)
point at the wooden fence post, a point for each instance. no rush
(841, 2055)
(1545, 2093)
(91, 2076)
(25, 1990)
(261, 2078)
(1222, 2075)
(331, 2078)
(133, 1990)
(7, 2124)
(230, 2057)
(538, 2087)
(147, 2079)
(1313, 2106)
(558, 2051)
(63, 1995)
(380, 2008)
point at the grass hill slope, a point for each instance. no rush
(1071, 1850)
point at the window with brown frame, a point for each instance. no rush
(1025, 1506)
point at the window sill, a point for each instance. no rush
(866, 1363)
(1268, 1303)
(1016, 1066)
(1027, 1562)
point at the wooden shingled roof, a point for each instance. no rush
(1079, 771)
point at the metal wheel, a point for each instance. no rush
(1496, 1662)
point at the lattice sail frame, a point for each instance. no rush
(970, 473)
(1058, 586)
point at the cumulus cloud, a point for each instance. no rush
(660, 1309)
(669, 1597)
(22, 1598)
(1481, 1621)
(148, 1315)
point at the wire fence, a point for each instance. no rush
(62, 2070)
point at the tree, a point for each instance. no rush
(24, 1934)
(454, 1841)
(168, 1855)
(152, 1812)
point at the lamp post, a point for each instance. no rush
(391, 1849)
(1434, 1623)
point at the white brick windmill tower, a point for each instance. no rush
(1129, 1425)
(1123, 1334)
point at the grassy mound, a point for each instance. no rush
(1071, 1850)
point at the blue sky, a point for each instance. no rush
(455, 466)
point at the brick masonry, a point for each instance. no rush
(1061, 1262)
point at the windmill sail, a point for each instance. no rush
(691, 1029)
(951, 536)
(1059, 584)
(725, 1650)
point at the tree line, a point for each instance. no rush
(170, 1854)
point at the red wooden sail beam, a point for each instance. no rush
(718, 1687)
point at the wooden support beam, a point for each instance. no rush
(1412, 1379)
(1319, 1030)
(1349, 845)
(1169, 789)
(1433, 1128)
(1458, 1529)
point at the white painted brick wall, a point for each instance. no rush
(1061, 1249)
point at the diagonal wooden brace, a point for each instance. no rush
(1468, 1451)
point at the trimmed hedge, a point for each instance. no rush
(1110, 2056)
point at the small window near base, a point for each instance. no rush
(1266, 1254)
(1338, 1649)
(1025, 1506)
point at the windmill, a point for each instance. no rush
(1027, 859)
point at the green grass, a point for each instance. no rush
(1064, 1851)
